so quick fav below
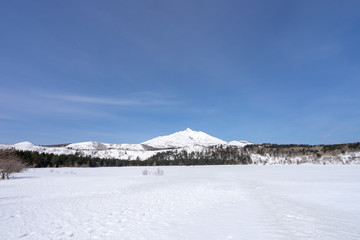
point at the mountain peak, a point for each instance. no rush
(24, 144)
(184, 138)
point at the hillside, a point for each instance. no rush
(266, 154)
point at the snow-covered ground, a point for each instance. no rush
(205, 202)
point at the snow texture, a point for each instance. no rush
(344, 158)
(87, 146)
(207, 202)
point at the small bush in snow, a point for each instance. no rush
(145, 172)
(157, 172)
(8, 166)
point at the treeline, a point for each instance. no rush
(283, 154)
(215, 155)
(322, 147)
(292, 150)
(42, 160)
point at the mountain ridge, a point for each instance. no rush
(188, 140)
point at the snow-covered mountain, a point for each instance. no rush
(188, 140)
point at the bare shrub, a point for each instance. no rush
(8, 166)
(159, 172)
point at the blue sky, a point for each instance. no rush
(127, 71)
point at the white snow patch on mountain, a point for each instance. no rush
(5, 146)
(87, 146)
(129, 147)
(239, 143)
(25, 144)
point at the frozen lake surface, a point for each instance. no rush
(204, 202)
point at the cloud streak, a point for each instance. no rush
(113, 101)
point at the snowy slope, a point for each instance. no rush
(6, 146)
(94, 149)
(343, 158)
(87, 146)
(238, 143)
(25, 145)
(130, 147)
(207, 202)
(185, 138)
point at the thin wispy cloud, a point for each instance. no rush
(7, 117)
(113, 101)
(43, 104)
(326, 136)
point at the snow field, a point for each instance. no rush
(203, 202)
